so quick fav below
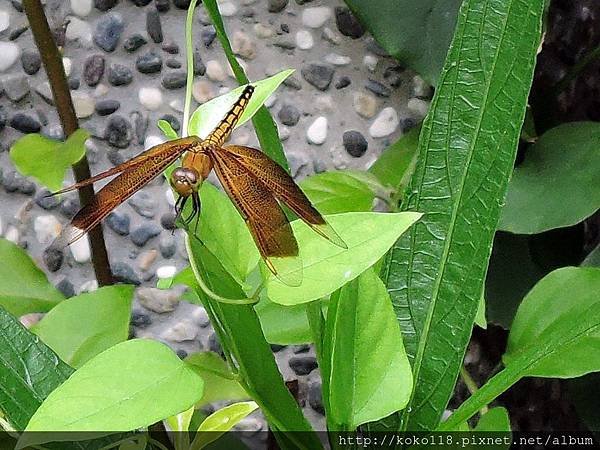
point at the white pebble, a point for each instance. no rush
(262, 31)
(150, 98)
(370, 62)
(83, 104)
(243, 45)
(80, 31)
(337, 60)
(418, 107)
(170, 197)
(315, 17)
(152, 140)
(385, 123)
(166, 271)
(420, 87)
(4, 20)
(227, 9)
(46, 228)
(304, 40)
(10, 53)
(80, 249)
(101, 90)
(67, 65)
(200, 316)
(12, 234)
(365, 104)
(317, 131)
(214, 70)
(88, 286)
(202, 91)
(81, 7)
(181, 332)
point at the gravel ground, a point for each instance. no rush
(344, 104)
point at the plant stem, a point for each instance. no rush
(189, 50)
(66, 112)
(471, 385)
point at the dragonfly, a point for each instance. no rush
(256, 184)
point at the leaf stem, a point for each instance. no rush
(189, 50)
(66, 112)
(471, 386)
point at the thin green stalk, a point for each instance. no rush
(471, 385)
(189, 49)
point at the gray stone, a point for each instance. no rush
(144, 204)
(303, 365)
(119, 75)
(162, 5)
(167, 247)
(343, 82)
(118, 131)
(347, 23)
(133, 42)
(275, 6)
(123, 272)
(318, 75)
(108, 31)
(355, 143)
(66, 287)
(107, 107)
(289, 115)
(16, 87)
(315, 398)
(93, 69)
(24, 123)
(119, 222)
(31, 61)
(53, 258)
(171, 48)
(149, 63)
(208, 35)
(105, 5)
(46, 201)
(173, 63)
(140, 126)
(377, 88)
(153, 26)
(174, 80)
(199, 66)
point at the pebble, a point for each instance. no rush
(377, 88)
(4, 20)
(182, 331)
(150, 98)
(303, 365)
(315, 17)
(81, 7)
(148, 63)
(153, 26)
(199, 66)
(31, 61)
(12, 234)
(88, 286)
(66, 287)
(141, 235)
(200, 316)
(106, 107)
(158, 300)
(140, 320)
(317, 131)
(108, 31)
(370, 62)
(24, 123)
(289, 115)
(418, 107)
(173, 63)
(365, 104)
(15, 86)
(208, 35)
(337, 60)
(227, 9)
(140, 3)
(214, 345)
(105, 5)
(70, 206)
(181, 4)
(385, 123)
(146, 259)
(10, 53)
(393, 75)
(293, 83)
(331, 36)
(173, 121)
(174, 80)
(242, 45)
(318, 75)
(167, 220)
(262, 31)
(118, 131)
(315, 398)
(420, 88)
(285, 43)
(47, 228)
(118, 222)
(44, 201)
(45, 92)
(275, 6)
(80, 249)
(67, 65)
(144, 204)
(133, 42)
(343, 82)
(215, 71)
(123, 272)
(304, 40)
(167, 246)
(355, 143)
(79, 31)
(162, 5)
(347, 23)
(93, 69)
(84, 104)
(166, 271)
(119, 75)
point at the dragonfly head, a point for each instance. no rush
(186, 181)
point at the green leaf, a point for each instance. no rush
(327, 267)
(167, 129)
(266, 129)
(81, 327)
(559, 298)
(208, 115)
(24, 288)
(46, 159)
(181, 421)
(426, 25)
(283, 325)
(370, 376)
(396, 164)
(30, 371)
(480, 319)
(239, 331)
(341, 191)
(557, 183)
(467, 150)
(131, 385)
(495, 420)
(221, 421)
(219, 382)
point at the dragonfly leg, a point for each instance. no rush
(196, 203)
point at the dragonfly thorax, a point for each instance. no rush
(185, 180)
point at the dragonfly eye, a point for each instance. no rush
(185, 180)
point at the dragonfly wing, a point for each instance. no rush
(156, 154)
(117, 191)
(264, 217)
(284, 188)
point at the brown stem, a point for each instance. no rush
(64, 105)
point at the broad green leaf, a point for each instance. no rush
(30, 371)
(81, 327)
(239, 331)
(466, 154)
(327, 267)
(266, 129)
(341, 191)
(181, 421)
(221, 421)
(283, 325)
(426, 25)
(480, 319)
(495, 420)
(396, 164)
(208, 115)
(557, 340)
(167, 129)
(24, 288)
(219, 382)
(560, 297)
(131, 385)
(46, 159)
(370, 376)
(557, 183)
